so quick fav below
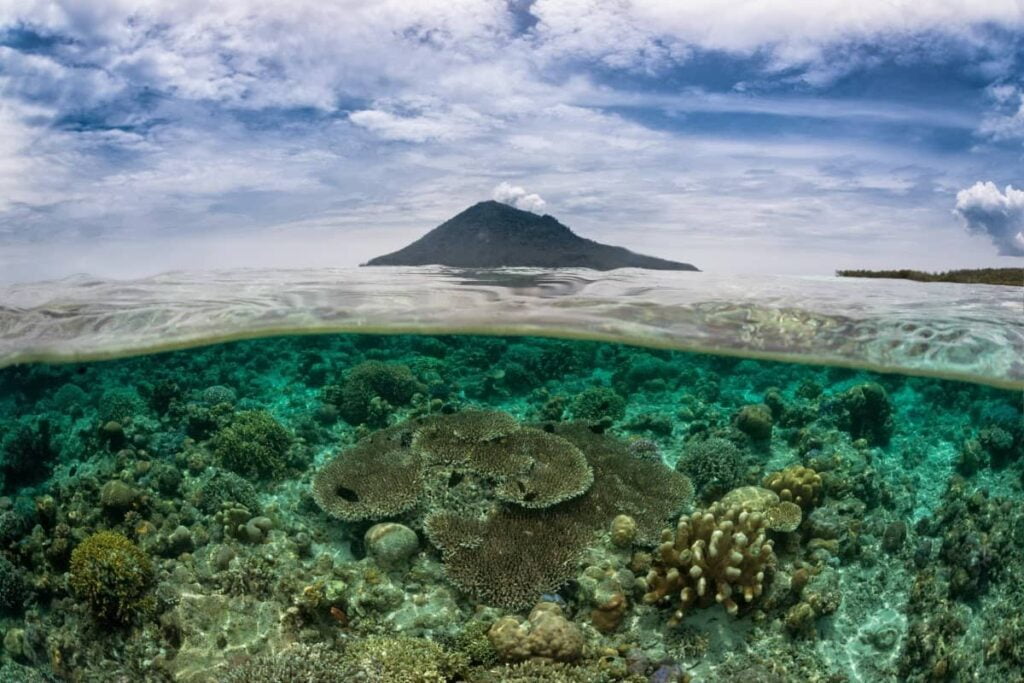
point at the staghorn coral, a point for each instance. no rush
(113, 576)
(720, 554)
(376, 478)
(546, 634)
(306, 663)
(253, 444)
(400, 660)
(796, 484)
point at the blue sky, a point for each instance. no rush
(769, 136)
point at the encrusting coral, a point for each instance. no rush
(546, 634)
(720, 554)
(779, 515)
(796, 484)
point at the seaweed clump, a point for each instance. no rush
(253, 444)
(720, 554)
(114, 577)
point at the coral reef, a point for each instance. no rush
(164, 517)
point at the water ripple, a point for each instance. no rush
(969, 332)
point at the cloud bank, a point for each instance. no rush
(513, 195)
(999, 215)
(701, 130)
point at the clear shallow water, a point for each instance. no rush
(966, 332)
(214, 513)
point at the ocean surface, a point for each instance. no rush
(427, 474)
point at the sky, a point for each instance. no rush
(756, 136)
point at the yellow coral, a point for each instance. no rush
(796, 484)
(717, 555)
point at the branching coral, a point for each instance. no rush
(796, 484)
(113, 575)
(400, 660)
(717, 555)
(598, 405)
(253, 444)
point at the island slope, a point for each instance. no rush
(492, 235)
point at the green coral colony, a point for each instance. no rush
(424, 509)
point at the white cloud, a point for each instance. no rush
(999, 215)
(642, 33)
(1007, 121)
(513, 195)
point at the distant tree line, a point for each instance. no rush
(976, 276)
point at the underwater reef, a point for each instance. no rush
(419, 509)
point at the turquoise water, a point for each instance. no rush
(346, 507)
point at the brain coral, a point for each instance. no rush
(720, 554)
